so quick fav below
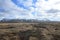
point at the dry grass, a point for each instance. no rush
(31, 31)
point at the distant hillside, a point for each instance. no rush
(18, 20)
(25, 20)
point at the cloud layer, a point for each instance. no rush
(30, 9)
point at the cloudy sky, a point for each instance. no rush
(30, 9)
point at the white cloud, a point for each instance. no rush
(42, 6)
(13, 11)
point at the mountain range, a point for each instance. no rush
(21, 20)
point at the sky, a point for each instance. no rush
(30, 9)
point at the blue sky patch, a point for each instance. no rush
(34, 1)
(20, 4)
(46, 0)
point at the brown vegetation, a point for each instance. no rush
(30, 31)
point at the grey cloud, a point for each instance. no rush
(53, 11)
(3, 10)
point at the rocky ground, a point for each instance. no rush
(30, 31)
